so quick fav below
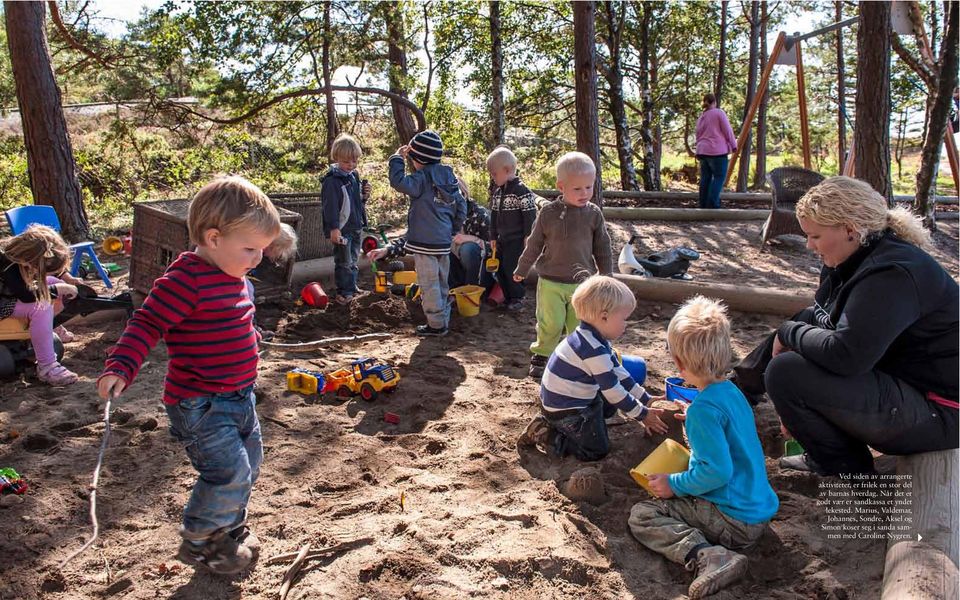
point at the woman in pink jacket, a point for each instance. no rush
(715, 140)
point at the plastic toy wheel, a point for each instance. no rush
(344, 392)
(369, 243)
(395, 265)
(8, 365)
(688, 254)
(367, 392)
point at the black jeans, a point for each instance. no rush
(836, 417)
(582, 433)
(509, 254)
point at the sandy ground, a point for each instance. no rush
(478, 518)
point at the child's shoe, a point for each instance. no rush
(537, 365)
(801, 462)
(514, 305)
(343, 299)
(716, 568)
(56, 374)
(246, 538)
(426, 330)
(64, 334)
(537, 433)
(221, 554)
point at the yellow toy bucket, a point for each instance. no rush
(468, 299)
(668, 457)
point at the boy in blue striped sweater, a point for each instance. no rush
(585, 382)
(723, 501)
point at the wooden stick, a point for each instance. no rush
(292, 571)
(93, 487)
(320, 551)
(310, 345)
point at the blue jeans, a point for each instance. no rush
(467, 268)
(583, 433)
(713, 172)
(345, 257)
(221, 434)
(432, 275)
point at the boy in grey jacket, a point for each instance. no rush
(569, 242)
(437, 211)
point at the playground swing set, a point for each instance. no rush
(787, 50)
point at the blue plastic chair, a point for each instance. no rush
(21, 217)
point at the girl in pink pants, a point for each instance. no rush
(29, 290)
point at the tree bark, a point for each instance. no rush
(332, 124)
(651, 164)
(841, 92)
(871, 139)
(760, 174)
(938, 119)
(585, 68)
(50, 161)
(722, 59)
(496, 77)
(614, 21)
(397, 56)
(743, 176)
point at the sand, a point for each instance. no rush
(478, 518)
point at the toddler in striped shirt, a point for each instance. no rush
(585, 383)
(201, 308)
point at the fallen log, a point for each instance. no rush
(924, 566)
(762, 197)
(625, 213)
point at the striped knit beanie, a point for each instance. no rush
(426, 147)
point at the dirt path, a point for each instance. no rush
(478, 519)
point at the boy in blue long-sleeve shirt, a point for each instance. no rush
(437, 211)
(723, 500)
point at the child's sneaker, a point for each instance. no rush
(66, 336)
(221, 554)
(246, 538)
(56, 374)
(343, 299)
(426, 330)
(537, 365)
(716, 568)
(537, 433)
(514, 305)
(801, 462)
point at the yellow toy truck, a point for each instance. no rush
(366, 377)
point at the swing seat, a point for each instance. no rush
(788, 185)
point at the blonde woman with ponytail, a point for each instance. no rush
(29, 289)
(874, 362)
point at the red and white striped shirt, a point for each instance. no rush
(206, 319)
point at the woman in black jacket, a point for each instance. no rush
(874, 362)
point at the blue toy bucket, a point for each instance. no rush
(676, 391)
(636, 366)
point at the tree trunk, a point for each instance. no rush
(651, 169)
(743, 176)
(614, 21)
(899, 145)
(760, 175)
(654, 62)
(585, 68)
(871, 139)
(397, 55)
(332, 125)
(722, 60)
(841, 92)
(50, 161)
(496, 77)
(939, 118)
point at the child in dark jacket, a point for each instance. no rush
(344, 213)
(512, 213)
(437, 211)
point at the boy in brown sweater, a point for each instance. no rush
(569, 242)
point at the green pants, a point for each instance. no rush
(555, 316)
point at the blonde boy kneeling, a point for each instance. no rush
(585, 382)
(723, 500)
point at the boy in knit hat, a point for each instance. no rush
(569, 242)
(437, 211)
